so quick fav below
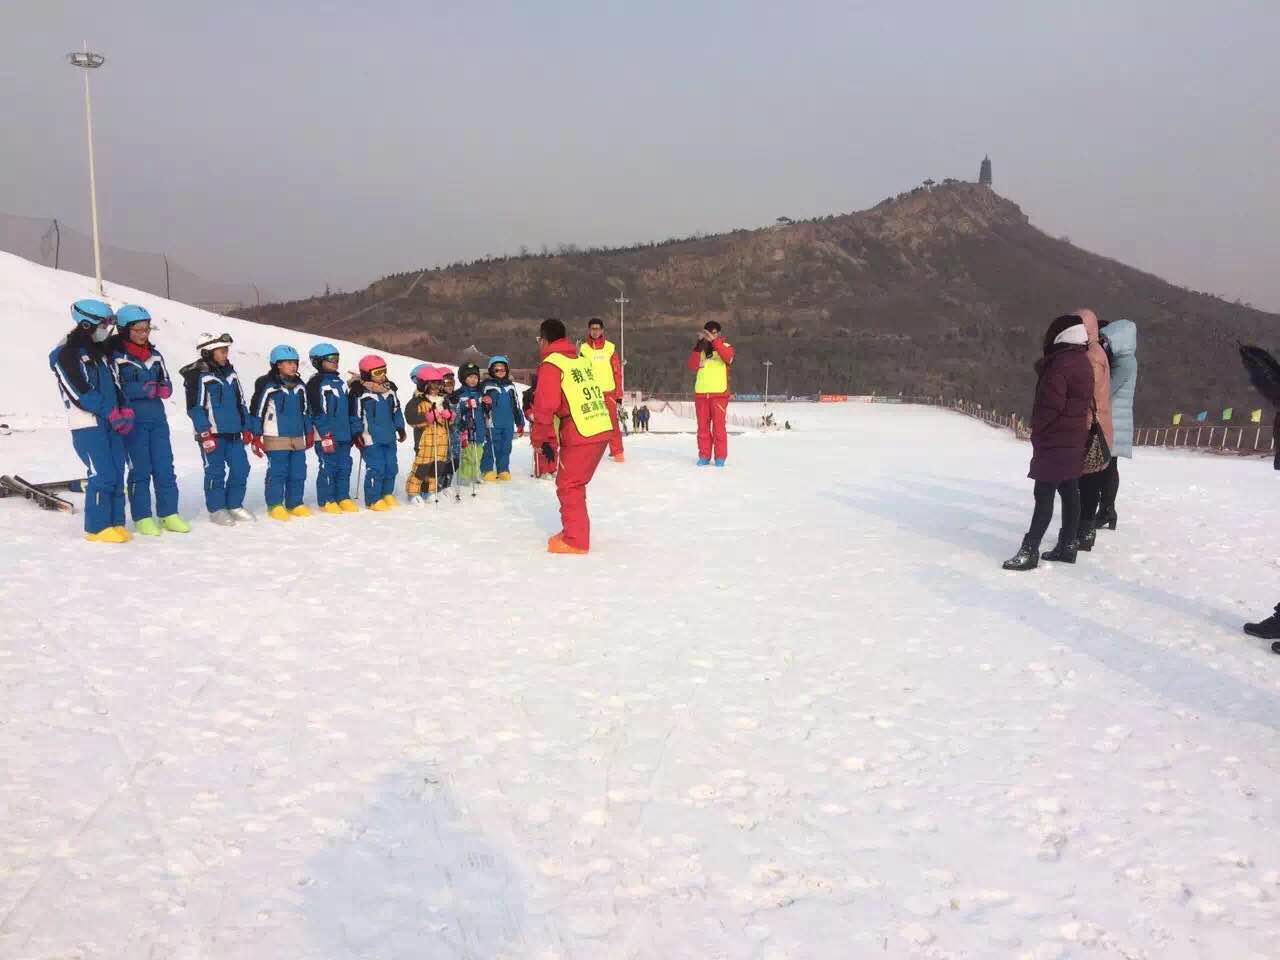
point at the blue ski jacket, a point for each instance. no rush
(215, 401)
(505, 410)
(377, 415)
(279, 407)
(83, 372)
(134, 375)
(330, 406)
(468, 414)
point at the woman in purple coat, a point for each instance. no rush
(1059, 435)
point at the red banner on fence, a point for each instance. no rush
(832, 398)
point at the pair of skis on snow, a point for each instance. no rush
(42, 494)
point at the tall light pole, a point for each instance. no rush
(622, 302)
(767, 365)
(91, 61)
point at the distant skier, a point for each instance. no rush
(144, 382)
(507, 419)
(1059, 433)
(471, 416)
(1264, 374)
(432, 468)
(375, 409)
(215, 404)
(623, 417)
(569, 397)
(280, 422)
(608, 369)
(334, 428)
(710, 359)
(97, 416)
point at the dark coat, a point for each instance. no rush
(1062, 414)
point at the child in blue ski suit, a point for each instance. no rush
(97, 417)
(506, 418)
(471, 416)
(145, 385)
(280, 422)
(334, 429)
(215, 404)
(376, 414)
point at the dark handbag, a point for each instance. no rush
(1097, 455)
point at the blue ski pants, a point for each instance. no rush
(150, 461)
(497, 452)
(226, 474)
(379, 472)
(333, 478)
(286, 477)
(102, 450)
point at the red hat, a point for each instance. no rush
(371, 363)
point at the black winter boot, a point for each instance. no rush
(1064, 552)
(1107, 519)
(1027, 557)
(1268, 629)
(1088, 534)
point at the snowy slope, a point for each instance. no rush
(791, 709)
(35, 304)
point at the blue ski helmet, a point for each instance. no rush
(417, 372)
(500, 358)
(130, 314)
(90, 313)
(283, 352)
(322, 351)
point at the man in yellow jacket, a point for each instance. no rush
(608, 370)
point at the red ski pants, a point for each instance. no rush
(615, 438)
(577, 466)
(713, 439)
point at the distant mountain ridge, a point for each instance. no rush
(943, 290)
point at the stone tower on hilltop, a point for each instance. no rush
(984, 172)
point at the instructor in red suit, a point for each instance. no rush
(710, 360)
(569, 400)
(608, 367)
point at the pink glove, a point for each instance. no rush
(157, 390)
(430, 418)
(121, 420)
(487, 400)
(311, 438)
(207, 443)
(444, 416)
(326, 443)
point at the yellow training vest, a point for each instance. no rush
(583, 394)
(713, 374)
(602, 360)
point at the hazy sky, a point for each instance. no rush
(301, 143)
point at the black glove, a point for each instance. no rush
(400, 435)
(549, 454)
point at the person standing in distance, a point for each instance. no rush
(569, 396)
(710, 360)
(608, 367)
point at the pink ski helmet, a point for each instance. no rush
(371, 363)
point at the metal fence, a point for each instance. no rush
(52, 243)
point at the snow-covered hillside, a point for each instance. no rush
(35, 304)
(789, 709)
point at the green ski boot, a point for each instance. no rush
(175, 524)
(148, 527)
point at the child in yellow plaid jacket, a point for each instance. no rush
(429, 414)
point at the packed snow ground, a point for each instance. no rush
(790, 709)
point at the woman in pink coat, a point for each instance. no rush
(1091, 483)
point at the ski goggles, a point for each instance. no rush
(223, 340)
(378, 373)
